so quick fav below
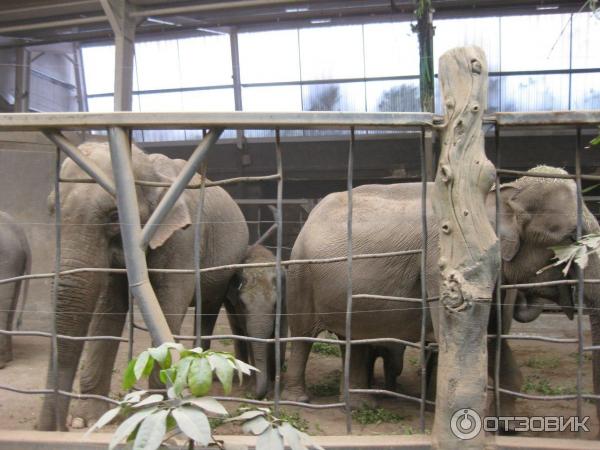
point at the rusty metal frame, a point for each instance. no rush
(135, 237)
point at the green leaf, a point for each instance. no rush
(306, 440)
(133, 397)
(291, 436)
(244, 368)
(140, 365)
(193, 423)
(256, 426)
(129, 378)
(128, 426)
(167, 376)
(208, 404)
(596, 140)
(152, 431)
(183, 367)
(246, 416)
(154, 398)
(103, 420)
(270, 440)
(161, 355)
(200, 377)
(223, 370)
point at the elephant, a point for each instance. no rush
(251, 303)
(16, 261)
(91, 238)
(537, 213)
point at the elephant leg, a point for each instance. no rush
(393, 363)
(295, 382)
(431, 366)
(359, 359)
(210, 313)
(370, 366)
(9, 294)
(108, 320)
(510, 376)
(241, 347)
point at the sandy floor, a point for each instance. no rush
(547, 369)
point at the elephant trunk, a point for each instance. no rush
(76, 298)
(527, 309)
(261, 327)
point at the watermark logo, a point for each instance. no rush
(466, 423)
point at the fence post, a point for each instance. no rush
(469, 255)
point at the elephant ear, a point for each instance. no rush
(180, 217)
(510, 241)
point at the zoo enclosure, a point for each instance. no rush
(134, 235)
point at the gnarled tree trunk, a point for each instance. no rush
(469, 256)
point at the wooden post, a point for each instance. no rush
(469, 252)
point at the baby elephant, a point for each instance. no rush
(16, 261)
(251, 303)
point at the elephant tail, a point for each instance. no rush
(24, 285)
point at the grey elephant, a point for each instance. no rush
(16, 261)
(91, 238)
(251, 303)
(537, 213)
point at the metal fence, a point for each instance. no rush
(134, 236)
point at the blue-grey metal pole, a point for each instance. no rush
(87, 165)
(131, 234)
(179, 184)
(348, 344)
(198, 259)
(278, 269)
(57, 257)
(424, 306)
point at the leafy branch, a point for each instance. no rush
(151, 419)
(577, 253)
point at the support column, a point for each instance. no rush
(469, 253)
(22, 78)
(425, 30)
(123, 27)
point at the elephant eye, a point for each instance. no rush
(113, 217)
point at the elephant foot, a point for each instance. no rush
(294, 395)
(84, 413)
(359, 401)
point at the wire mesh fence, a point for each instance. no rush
(351, 122)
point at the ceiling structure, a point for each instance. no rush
(35, 22)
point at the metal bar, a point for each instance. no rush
(60, 392)
(498, 348)
(348, 332)
(53, 24)
(391, 394)
(278, 270)
(217, 6)
(548, 118)
(389, 298)
(525, 337)
(131, 327)
(289, 262)
(547, 175)
(267, 234)
(131, 233)
(56, 281)
(580, 285)
(63, 336)
(197, 120)
(425, 177)
(179, 184)
(547, 283)
(86, 164)
(22, 79)
(198, 259)
(189, 186)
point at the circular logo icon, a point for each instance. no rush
(465, 424)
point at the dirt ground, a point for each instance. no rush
(547, 369)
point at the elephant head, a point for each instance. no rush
(252, 299)
(536, 214)
(91, 238)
